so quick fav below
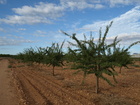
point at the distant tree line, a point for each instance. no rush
(6, 55)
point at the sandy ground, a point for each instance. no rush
(7, 91)
(35, 85)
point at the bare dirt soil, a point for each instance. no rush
(35, 85)
(7, 91)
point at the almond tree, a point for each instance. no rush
(54, 55)
(28, 55)
(39, 55)
(97, 58)
(122, 56)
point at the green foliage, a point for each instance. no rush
(135, 65)
(32, 55)
(27, 55)
(122, 57)
(6, 55)
(50, 55)
(69, 57)
(55, 55)
(94, 57)
(10, 66)
(89, 56)
(39, 55)
(98, 57)
(136, 59)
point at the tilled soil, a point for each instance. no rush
(7, 90)
(36, 85)
(45, 90)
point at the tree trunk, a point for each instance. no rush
(53, 70)
(83, 81)
(97, 79)
(120, 69)
(97, 84)
(98, 72)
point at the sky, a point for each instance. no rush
(38, 23)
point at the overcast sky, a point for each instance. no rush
(37, 23)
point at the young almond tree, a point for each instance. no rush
(95, 57)
(39, 55)
(54, 55)
(32, 55)
(83, 56)
(122, 56)
(28, 55)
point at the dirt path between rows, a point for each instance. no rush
(7, 92)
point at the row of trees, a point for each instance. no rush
(88, 56)
(52, 56)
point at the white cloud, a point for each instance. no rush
(41, 13)
(2, 30)
(46, 12)
(4, 41)
(126, 26)
(14, 37)
(129, 37)
(99, 6)
(40, 33)
(3, 1)
(113, 3)
(96, 4)
(21, 29)
(16, 19)
(80, 4)
(125, 38)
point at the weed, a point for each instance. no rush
(20, 65)
(136, 65)
(10, 66)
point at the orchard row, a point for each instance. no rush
(88, 56)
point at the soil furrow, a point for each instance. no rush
(38, 87)
(71, 95)
(47, 102)
(32, 95)
(51, 91)
(19, 87)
